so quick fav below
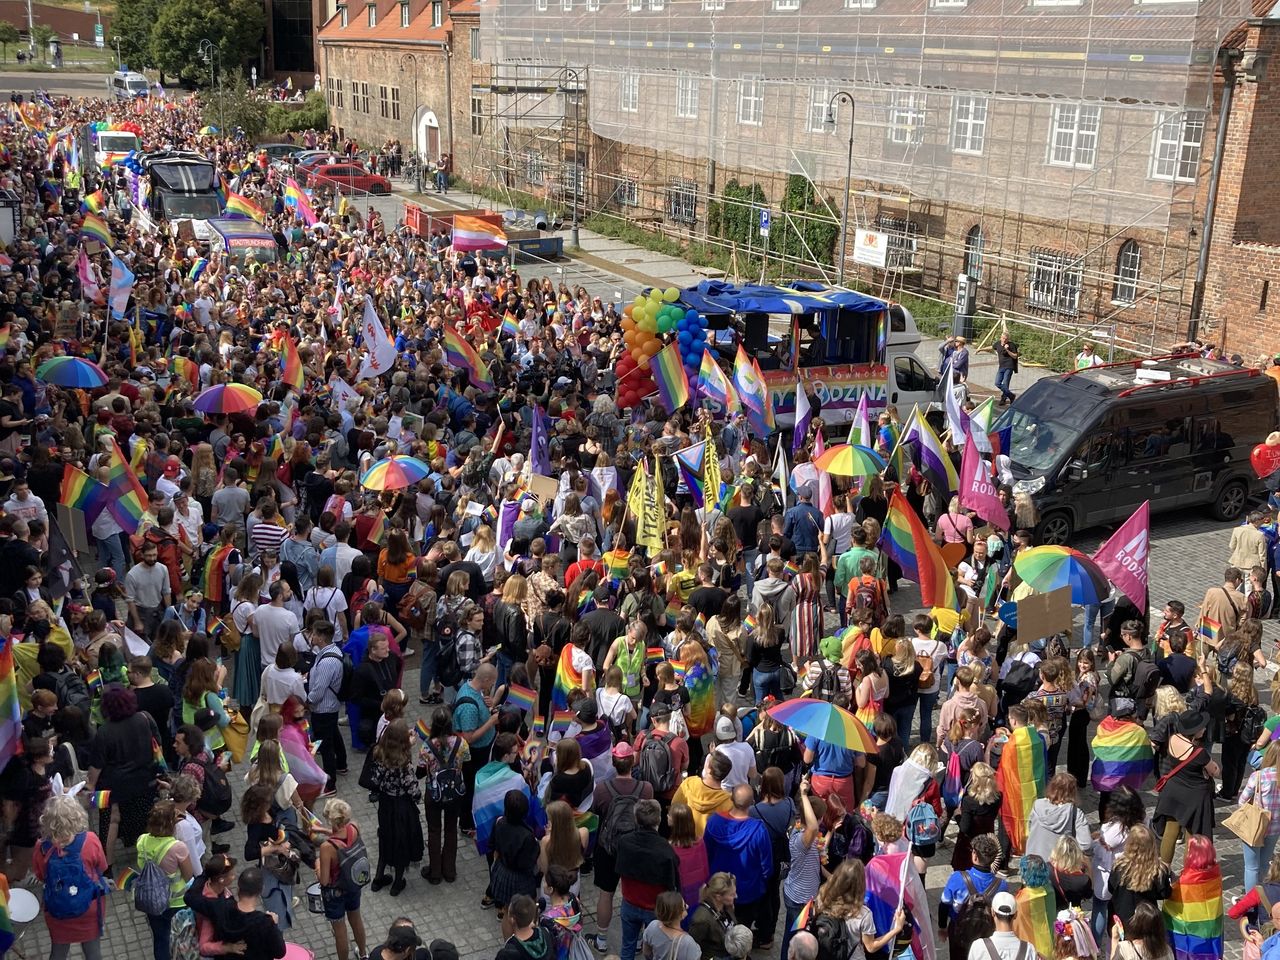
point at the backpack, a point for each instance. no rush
(151, 889)
(1252, 722)
(215, 796)
(852, 839)
(828, 683)
(1055, 648)
(971, 920)
(68, 888)
(654, 764)
(922, 824)
(834, 939)
(867, 595)
(621, 818)
(72, 691)
(1019, 681)
(448, 672)
(184, 940)
(1227, 660)
(353, 864)
(347, 685)
(1145, 679)
(361, 597)
(447, 783)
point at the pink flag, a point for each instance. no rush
(89, 287)
(1124, 557)
(978, 492)
(825, 503)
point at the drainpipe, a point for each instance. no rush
(448, 97)
(1226, 60)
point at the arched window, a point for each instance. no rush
(973, 251)
(1128, 270)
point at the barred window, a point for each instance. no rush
(629, 193)
(535, 168)
(682, 201)
(902, 241)
(1054, 282)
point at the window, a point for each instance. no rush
(477, 51)
(384, 104)
(328, 90)
(593, 6)
(1054, 282)
(816, 121)
(337, 92)
(1055, 3)
(945, 4)
(1128, 271)
(968, 124)
(342, 14)
(1073, 138)
(902, 239)
(786, 5)
(682, 201)
(859, 4)
(751, 101)
(355, 96)
(364, 97)
(973, 243)
(629, 193)
(371, 12)
(395, 103)
(1176, 154)
(437, 13)
(566, 5)
(292, 29)
(535, 168)
(635, 6)
(404, 13)
(573, 178)
(657, 4)
(712, 4)
(686, 96)
(477, 117)
(540, 5)
(629, 92)
(906, 117)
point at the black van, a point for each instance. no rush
(1091, 446)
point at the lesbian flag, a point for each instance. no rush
(473, 233)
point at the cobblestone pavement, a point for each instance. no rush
(1188, 553)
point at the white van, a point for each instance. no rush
(125, 85)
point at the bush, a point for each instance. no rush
(313, 114)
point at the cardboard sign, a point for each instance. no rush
(1044, 614)
(544, 488)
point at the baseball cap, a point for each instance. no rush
(171, 467)
(725, 729)
(1003, 905)
(622, 750)
(588, 712)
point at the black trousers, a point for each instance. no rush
(479, 757)
(333, 749)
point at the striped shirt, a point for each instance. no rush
(267, 536)
(1263, 783)
(805, 875)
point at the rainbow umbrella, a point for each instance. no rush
(395, 473)
(228, 398)
(826, 722)
(850, 460)
(1053, 567)
(72, 372)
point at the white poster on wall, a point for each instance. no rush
(870, 248)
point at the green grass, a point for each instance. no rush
(75, 59)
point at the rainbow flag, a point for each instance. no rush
(1122, 755)
(617, 564)
(522, 697)
(462, 356)
(681, 670)
(216, 628)
(753, 393)
(292, 373)
(157, 755)
(654, 655)
(378, 532)
(1037, 908)
(803, 918)
(1210, 630)
(81, 491)
(714, 385)
(314, 822)
(669, 377)
(567, 679)
(215, 586)
(292, 193)
(905, 539)
(892, 882)
(424, 732)
(790, 570)
(510, 327)
(93, 680)
(5, 332)
(93, 202)
(561, 720)
(701, 684)
(100, 799)
(128, 497)
(674, 606)
(1021, 778)
(186, 368)
(125, 878)
(1193, 914)
(10, 708)
(241, 206)
(750, 624)
(198, 268)
(6, 924)
(473, 233)
(932, 457)
(93, 227)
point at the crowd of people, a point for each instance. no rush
(593, 715)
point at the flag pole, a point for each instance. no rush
(915, 409)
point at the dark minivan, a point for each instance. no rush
(1090, 446)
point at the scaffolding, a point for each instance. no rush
(1071, 134)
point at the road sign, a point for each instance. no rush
(253, 75)
(764, 224)
(97, 35)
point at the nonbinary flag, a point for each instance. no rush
(804, 414)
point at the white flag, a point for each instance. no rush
(342, 392)
(382, 349)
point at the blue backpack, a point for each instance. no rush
(922, 824)
(69, 891)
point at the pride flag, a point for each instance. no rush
(701, 685)
(1037, 909)
(128, 497)
(654, 655)
(905, 539)
(510, 327)
(93, 202)
(1021, 778)
(714, 385)
(424, 732)
(295, 197)
(100, 800)
(10, 708)
(669, 377)
(292, 373)
(1193, 914)
(522, 697)
(126, 878)
(753, 393)
(892, 882)
(617, 564)
(567, 679)
(493, 781)
(473, 233)
(214, 581)
(198, 268)
(93, 227)
(1122, 755)
(692, 462)
(186, 368)
(93, 679)
(561, 720)
(81, 491)
(242, 206)
(462, 356)
(932, 457)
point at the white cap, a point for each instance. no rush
(726, 729)
(1003, 905)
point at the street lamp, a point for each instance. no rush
(829, 121)
(579, 181)
(413, 127)
(119, 59)
(211, 55)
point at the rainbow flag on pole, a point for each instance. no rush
(241, 206)
(128, 497)
(892, 882)
(1122, 755)
(1022, 779)
(292, 373)
(1193, 914)
(462, 356)
(473, 233)
(510, 327)
(670, 378)
(714, 385)
(93, 227)
(81, 491)
(522, 697)
(10, 708)
(296, 197)
(905, 539)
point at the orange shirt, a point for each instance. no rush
(396, 572)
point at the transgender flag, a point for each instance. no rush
(473, 233)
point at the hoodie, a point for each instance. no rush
(772, 590)
(743, 849)
(951, 710)
(537, 947)
(1049, 821)
(255, 930)
(702, 800)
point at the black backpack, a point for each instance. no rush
(1145, 679)
(446, 634)
(1019, 681)
(447, 784)
(621, 818)
(654, 765)
(828, 683)
(1252, 721)
(215, 795)
(346, 688)
(972, 920)
(834, 940)
(72, 691)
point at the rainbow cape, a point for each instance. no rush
(1122, 755)
(892, 880)
(669, 377)
(1193, 914)
(616, 564)
(1021, 778)
(186, 368)
(905, 539)
(701, 684)
(567, 679)
(493, 782)
(1036, 912)
(81, 491)
(462, 356)
(215, 585)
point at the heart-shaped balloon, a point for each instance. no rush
(952, 553)
(1265, 459)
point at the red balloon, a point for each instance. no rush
(1265, 459)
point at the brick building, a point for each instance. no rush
(1058, 150)
(402, 70)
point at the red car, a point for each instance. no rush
(348, 178)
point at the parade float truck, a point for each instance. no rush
(104, 144)
(243, 242)
(838, 343)
(173, 191)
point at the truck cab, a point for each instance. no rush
(176, 187)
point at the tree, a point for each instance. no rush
(132, 25)
(235, 26)
(233, 106)
(9, 36)
(42, 36)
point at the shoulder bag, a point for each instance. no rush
(1250, 821)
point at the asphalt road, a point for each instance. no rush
(56, 84)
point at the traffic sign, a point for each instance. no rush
(97, 35)
(764, 224)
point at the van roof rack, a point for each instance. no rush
(1184, 369)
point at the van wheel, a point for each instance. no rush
(1055, 529)
(1231, 501)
